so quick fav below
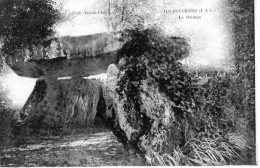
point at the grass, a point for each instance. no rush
(201, 151)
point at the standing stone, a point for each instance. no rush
(155, 128)
(58, 103)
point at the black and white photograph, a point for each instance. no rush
(91, 83)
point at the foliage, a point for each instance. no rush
(243, 34)
(5, 124)
(224, 108)
(214, 98)
(210, 110)
(242, 22)
(150, 54)
(25, 23)
(127, 14)
(202, 151)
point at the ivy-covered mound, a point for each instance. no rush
(153, 105)
(155, 96)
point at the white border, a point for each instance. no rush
(257, 61)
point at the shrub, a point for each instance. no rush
(5, 125)
(213, 110)
(202, 151)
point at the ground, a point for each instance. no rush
(98, 147)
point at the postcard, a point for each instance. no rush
(127, 83)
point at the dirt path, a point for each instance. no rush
(93, 149)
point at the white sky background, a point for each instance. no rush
(17, 88)
(208, 36)
(81, 24)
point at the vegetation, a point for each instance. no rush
(24, 24)
(5, 125)
(151, 55)
(123, 15)
(220, 133)
(215, 119)
(5, 112)
(202, 151)
(219, 114)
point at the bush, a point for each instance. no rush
(224, 100)
(209, 113)
(5, 125)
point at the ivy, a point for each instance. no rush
(150, 54)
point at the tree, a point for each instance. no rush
(242, 22)
(243, 33)
(24, 24)
(129, 14)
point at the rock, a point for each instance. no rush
(57, 103)
(80, 102)
(122, 62)
(154, 128)
(64, 67)
(112, 72)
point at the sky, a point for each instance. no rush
(209, 36)
(81, 24)
(17, 88)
